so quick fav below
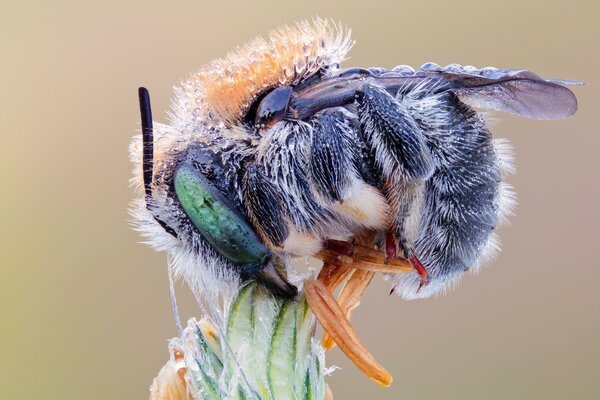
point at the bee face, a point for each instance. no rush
(274, 152)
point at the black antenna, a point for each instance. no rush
(147, 140)
(148, 152)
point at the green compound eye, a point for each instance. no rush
(216, 220)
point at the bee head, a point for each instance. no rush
(216, 110)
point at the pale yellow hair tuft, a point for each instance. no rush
(225, 88)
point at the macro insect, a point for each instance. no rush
(276, 152)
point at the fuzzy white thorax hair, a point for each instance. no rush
(202, 273)
(210, 104)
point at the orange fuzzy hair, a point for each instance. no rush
(225, 88)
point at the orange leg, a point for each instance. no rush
(350, 297)
(390, 253)
(356, 264)
(332, 318)
(420, 268)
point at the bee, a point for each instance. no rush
(276, 152)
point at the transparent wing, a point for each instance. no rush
(517, 92)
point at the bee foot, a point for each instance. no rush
(421, 270)
(390, 247)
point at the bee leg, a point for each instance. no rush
(391, 253)
(338, 173)
(283, 160)
(356, 264)
(421, 270)
(332, 156)
(333, 273)
(405, 160)
(398, 141)
(418, 267)
(349, 298)
(390, 247)
(333, 320)
(263, 203)
(339, 247)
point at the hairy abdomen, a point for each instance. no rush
(462, 199)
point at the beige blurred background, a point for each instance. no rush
(84, 308)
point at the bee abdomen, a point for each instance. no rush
(460, 208)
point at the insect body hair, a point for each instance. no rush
(189, 255)
(464, 199)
